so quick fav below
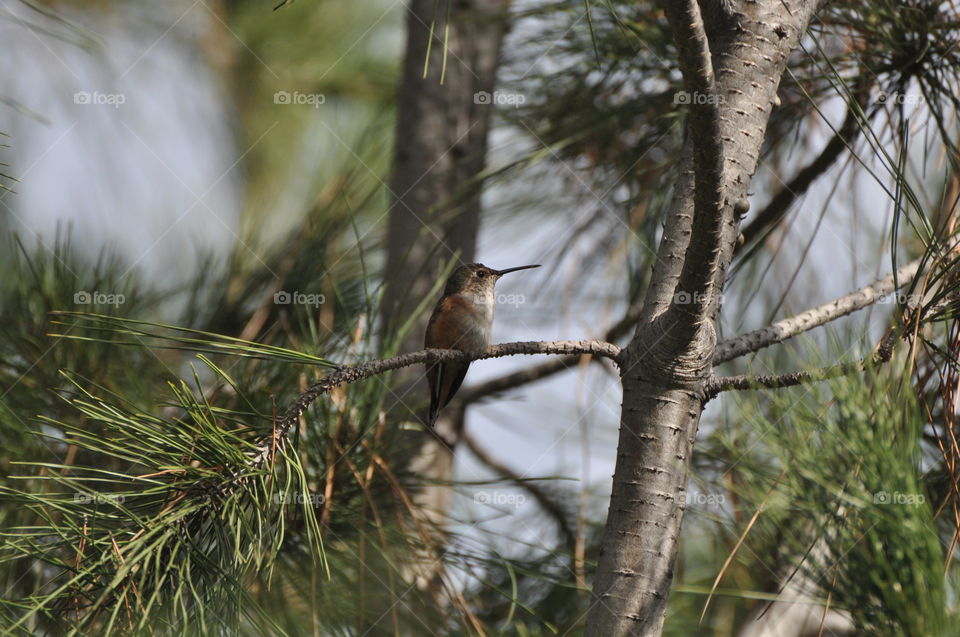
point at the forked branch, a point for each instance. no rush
(727, 350)
(703, 123)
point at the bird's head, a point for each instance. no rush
(476, 278)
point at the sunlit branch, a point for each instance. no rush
(815, 317)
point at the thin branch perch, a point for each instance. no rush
(347, 375)
(546, 369)
(727, 350)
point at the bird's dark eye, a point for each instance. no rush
(481, 274)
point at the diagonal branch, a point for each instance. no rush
(815, 317)
(347, 375)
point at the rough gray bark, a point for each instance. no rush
(668, 362)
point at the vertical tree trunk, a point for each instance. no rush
(452, 54)
(440, 147)
(669, 356)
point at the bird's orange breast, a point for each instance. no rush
(457, 324)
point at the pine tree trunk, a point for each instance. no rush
(440, 147)
(452, 54)
(669, 357)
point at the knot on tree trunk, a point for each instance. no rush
(661, 360)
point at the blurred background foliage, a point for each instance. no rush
(128, 501)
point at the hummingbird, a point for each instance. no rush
(463, 320)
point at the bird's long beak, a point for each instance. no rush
(519, 267)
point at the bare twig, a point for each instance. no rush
(720, 384)
(805, 321)
(880, 355)
(552, 508)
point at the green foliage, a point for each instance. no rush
(853, 496)
(123, 547)
(828, 493)
(130, 498)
